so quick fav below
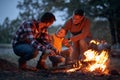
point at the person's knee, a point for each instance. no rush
(83, 43)
(29, 55)
(66, 53)
(62, 59)
(17, 51)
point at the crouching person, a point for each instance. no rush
(25, 43)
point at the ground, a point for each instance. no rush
(9, 70)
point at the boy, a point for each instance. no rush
(45, 40)
(57, 41)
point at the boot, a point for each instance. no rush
(41, 63)
(22, 64)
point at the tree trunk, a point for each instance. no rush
(113, 30)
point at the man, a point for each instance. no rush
(79, 26)
(25, 42)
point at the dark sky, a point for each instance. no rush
(8, 9)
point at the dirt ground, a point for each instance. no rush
(9, 70)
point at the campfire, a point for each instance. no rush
(96, 59)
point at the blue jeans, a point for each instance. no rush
(25, 51)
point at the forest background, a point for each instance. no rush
(103, 14)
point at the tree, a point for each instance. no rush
(4, 35)
(110, 10)
(93, 8)
(33, 9)
(7, 29)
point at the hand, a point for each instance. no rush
(49, 52)
(65, 41)
(70, 49)
(52, 53)
(57, 52)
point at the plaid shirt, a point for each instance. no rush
(45, 40)
(28, 33)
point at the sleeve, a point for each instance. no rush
(50, 43)
(85, 32)
(67, 25)
(45, 40)
(29, 29)
(51, 39)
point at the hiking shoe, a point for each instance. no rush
(22, 64)
(41, 65)
(31, 69)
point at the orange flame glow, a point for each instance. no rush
(95, 60)
(95, 42)
(99, 59)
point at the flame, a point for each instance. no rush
(95, 60)
(99, 60)
(95, 42)
(73, 69)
